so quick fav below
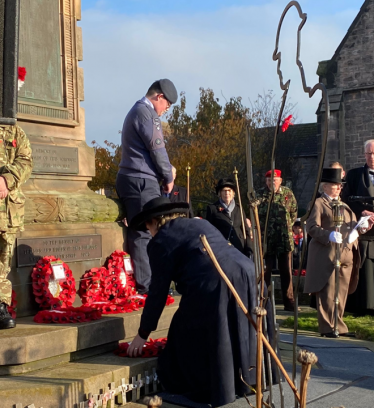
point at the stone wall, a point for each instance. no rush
(304, 182)
(349, 77)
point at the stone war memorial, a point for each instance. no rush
(60, 365)
(74, 299)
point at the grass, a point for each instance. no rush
(362, 325)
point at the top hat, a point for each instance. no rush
(332, 176)
(225, 182)
(156, 207)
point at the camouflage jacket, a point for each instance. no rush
(15, 167)
(283, 213)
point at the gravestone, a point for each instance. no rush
(62, 215)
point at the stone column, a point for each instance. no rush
(63, 217)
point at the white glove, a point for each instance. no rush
(364, 225)
(336, 237)
(352, 236)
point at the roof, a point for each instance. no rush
(299, 140)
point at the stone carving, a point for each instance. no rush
(71, 208)
(65, 110)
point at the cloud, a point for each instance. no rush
(228, 50)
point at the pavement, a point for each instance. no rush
(342, 378)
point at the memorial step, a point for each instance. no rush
(68, 385)
(31, 346)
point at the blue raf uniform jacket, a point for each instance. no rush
(143, 147)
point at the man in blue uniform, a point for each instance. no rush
(145, 163)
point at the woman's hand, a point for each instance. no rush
(136, 347)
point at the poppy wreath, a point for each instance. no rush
(41, 277)
(68, 315)
(152, 348)
(12, 309)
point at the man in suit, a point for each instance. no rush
(360, 182)
(178, 193)
(320, 275)
(144, 164)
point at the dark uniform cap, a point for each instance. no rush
(156, 207)
(225, 182)
(169, 90)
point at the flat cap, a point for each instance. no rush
(169, 90)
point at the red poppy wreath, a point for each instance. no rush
(50, 293)
(152, 348)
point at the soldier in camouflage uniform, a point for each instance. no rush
(15, 169)
(283, 213)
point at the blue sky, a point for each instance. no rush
(224, 45)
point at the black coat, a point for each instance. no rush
(179, 194)
(230, 227)
(358, 183)
(209, 338)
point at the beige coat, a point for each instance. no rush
(321, 252)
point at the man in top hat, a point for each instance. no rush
(16, 168)
(280, 244)
(145, 163)
(360, 182)
(320, 276)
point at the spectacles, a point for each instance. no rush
(168, 103)
(369, 153)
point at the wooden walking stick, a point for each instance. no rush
(338, 219)
(240, 202)
(306, 359)
(188, 168)
(248, 314)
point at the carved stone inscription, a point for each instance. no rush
(40, 52)
(55, 159)
(68, 248)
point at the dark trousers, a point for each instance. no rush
(134, 193)
(285, 271)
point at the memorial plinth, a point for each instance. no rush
(63, 217)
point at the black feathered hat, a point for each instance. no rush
(225, 182)
(156, 207)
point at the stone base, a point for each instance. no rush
(113, 238)
(31, 346)
(304, 298)
(67, 385)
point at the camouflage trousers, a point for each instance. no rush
(6, 249)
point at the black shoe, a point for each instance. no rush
(331, 335)
(348, 334)
(6, 321)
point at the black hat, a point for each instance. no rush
(156, 207)
(169, 90)
(331, 176)
(225, 182)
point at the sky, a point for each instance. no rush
(225, 45)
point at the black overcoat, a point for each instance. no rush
(210, 338)
(358, 183)
(230, 227)
(179, 194)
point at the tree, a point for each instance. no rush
(107, 160)
(212, 141)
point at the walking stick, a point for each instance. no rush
(188, 168)
(338, 219)
(240, 202)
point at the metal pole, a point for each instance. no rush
(188, 168)
(240, 202)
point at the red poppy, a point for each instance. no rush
(14, 143)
